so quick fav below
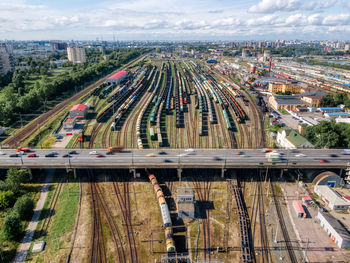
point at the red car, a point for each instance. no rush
(100, 155)
(240, 153)
(32, 155)
(324, 161)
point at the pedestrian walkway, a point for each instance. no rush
(25, 244)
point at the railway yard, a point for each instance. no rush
(174, 103)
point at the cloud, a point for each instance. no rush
(216, 11)
(271, 6)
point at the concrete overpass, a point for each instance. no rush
(176, 158)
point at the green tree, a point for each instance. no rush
(6, 199)
(15, 177)
(12, 227)
(24, 207)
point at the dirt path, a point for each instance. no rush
(25, 244)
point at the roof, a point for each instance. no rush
(331, 195)
(337, 114)
(322, 176)
(306, 198)
(347, 198)
(329, 108)
(69, 120)
(79, 107)
(298, 206)
(117, 75)
(185, 207)
(335, 224)
(184, 191)
(292, 136)
(290, 100)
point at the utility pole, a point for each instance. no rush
(307, 246)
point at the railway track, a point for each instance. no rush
(98, 251)
(29, 129)
(51, 209)
(203, 192)
(123, 199)
(285, 233)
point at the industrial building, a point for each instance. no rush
(333, 199)
(284, 86)
(6, 59)
(116, 78)
(335, 230)
(69, 123)
(185, 202)
(78, 111)
(280, 102)
(328, 178)
(289, 139)
(76, 54)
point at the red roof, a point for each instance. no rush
(307, 198)
(347, 198)
(79, 107)
(297, 205)
(117, 75)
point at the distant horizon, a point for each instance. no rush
(166, 20)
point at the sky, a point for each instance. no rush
(226, 20)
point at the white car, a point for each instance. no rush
(182, 154)
(189, 150)
(93, 153)
(2, 153)
(300, 155)
(345, 152)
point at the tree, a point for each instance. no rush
(328, 101)
(11, 227)
(6, 199)
(24, 207)
(14, 179)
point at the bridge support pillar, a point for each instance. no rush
(179, 172)
(75, 173)
(223, 170)
(30, 174)
(133, 170)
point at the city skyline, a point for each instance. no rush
(175, 20)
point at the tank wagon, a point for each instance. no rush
(168, 230)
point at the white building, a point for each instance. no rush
(185, 202)
(76, 54)
(289, 139)
(331, 197)
(336, 231)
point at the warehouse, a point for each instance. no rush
(335, 230)
(78, 111)
(116, 78)
(333, 199)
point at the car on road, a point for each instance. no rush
(181, 155)
(189, 150)
(50, 155)
(167, 161)
(162, 153)
(267, 150)
(245, 155)
(73, 152)
(32, 155)
(345, 152)
(93, 153)
(333, 155)
(2, 153)
(150, 155)
(217, 158)
(324, 161)
(66, 155)
(300, 155)
(240, 153)
(109, 153)
(54, 153)
(100, 155)
(14, 155)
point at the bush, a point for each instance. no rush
(24, 207)
(6, 199)
(14, 179)
(11, 227)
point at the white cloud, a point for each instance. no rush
(271, 6)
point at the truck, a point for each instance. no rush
(115, 149)
(23, 149)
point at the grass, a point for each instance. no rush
(71, 142)
(61, 225)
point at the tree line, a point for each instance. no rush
(334, 100)
(19, 97)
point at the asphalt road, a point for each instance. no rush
(200, 158)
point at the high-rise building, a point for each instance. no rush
(102, 49)
(347, 47)
(6, 59)
(58, 46)
(76, 54)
